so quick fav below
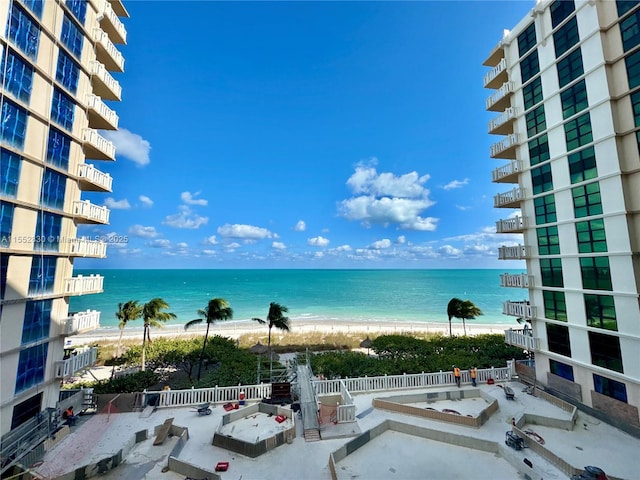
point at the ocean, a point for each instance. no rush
(339, 295)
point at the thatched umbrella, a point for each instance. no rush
(259, 349)
(366, 343)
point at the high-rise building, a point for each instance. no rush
(567, 94)
(55, 62)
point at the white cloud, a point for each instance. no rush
(342, 248)
(129, 145)
(182, 245)
(114, 204)
(185, 218)
(366, 180)
(401, 239)
(159, 243)
(188, 198)
(209, 252)
(318, 241)
(463, 208)
(456, 184)
(384, 243)
(301, 226)
(210, 240)
(278, 246)
(144, 232)
(146, 201)
(129, 251)
(249, 232)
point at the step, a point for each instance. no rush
(163, 431)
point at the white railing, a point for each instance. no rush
(515, 224)
(495, 71)
(501, 119)
(81, 285)
(197, 396)
(76, 362)
(518, 252)
(97, 141)
(518, 309)
(522, 339)
(92, 175)
(106, 11)
(96, 104)
(102, 38)
(86, 209)
(521, 280)
(83, 247)
(513, 167)
(507, 88)
(508, 198)
(99, 70)
(504, 144)
(82, 322)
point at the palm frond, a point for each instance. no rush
(191, 323)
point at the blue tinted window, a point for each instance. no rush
(561, 369)
(630, 31)
(78, 8)
(37, 321)
(71, 36)
(62, 109)
(58, 148)
(67, 72)
(48, 232)
(4, 266)
(31, 366)
(17, 76)
(13, 124)
(610, 388)
(6, 222)
(23, 31)
(43, 273)
(633, 69)
(53, 188)
(561, 9)
(529, 66)
(35, 6)
(9, 173)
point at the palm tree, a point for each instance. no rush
(153, 315)
(276, 318)
(127, 312)
(463, 309)
(216, 309)
(453, 311)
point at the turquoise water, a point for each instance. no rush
(341, 295)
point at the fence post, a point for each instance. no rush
(441, 381)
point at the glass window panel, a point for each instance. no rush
(6, 222)
(68, 72)
(78, 8)
(570, 68)
(551, 272)
(37, 321)
(630, 31)
(541, 179)
(17, 76)
(48, 229)
(13, 124)
(574, 99)
(539, 150)
(62, 109)
(582, 165)
(31, 367)
(35, 6)
(71, 36)
(58, 148)
(558, 339)
(9, 173)
(608, 387)
(566, 37)
(587, 200)
(605, 351)
(529, 66)
(527, 39)
(591, 236)
(545, 208)
(633, 69)
(43, 273)
(596, 273)
(536, 122)
(23, 31)
(601, 311)
(548, 240)
(555, 306)
(532, 93)
(561, 369)
(53, 189)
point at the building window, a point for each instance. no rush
(9, 173)
(608, 387)
(529, 66)
(37, 321)
(574, 99)
(17, 76)
(558, 339)
(587, 200)
(561, 369)
(62, 109)
(535, 121)
(578, 132)
(541, 179)
(13, 124)
(591, 236)
(625, 5)
(6, 222)
(548, 241)
(633, 69)
(43, 274)
(570, 68)
(35, 6)
(72, 37)
(23, 31)
(545, 209)
(551, 272)
(555, 306)
(635, 106)
(601, 311)
(532, 93)
(78, 8)
(561, 9)
(53, 188)
(31, 367)
(58, 148)
(605, 351)
(48, 230)
(582, 165)
(630, 31)
(68, 72)
(539, 150)
(4, 266)
(527, 40)
(596, 274)
(566, 37)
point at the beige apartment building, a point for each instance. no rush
(566, 94)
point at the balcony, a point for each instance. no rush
(519, 309)
(86, 212)
(510, 199)
(511, 225)
(106, 52)
(497, 76)
(119, 8)
(110, 22)
(79, 360)
(523, 339)
(81, 285)
(80, 322)
(518, 252)
(104, 85)
(501, 99)
(100, 116)
(96, 146)
(521, 280)
(503, 123)
(505, 148)
(507, 173)
(83, 247)
(496, 55)
(91, 179)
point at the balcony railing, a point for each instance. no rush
(76, 362)
(101, 116)
(499, 100)
(96, 146)
(86, 212)
(523, 339)
(104, 85)
(92, 179)
(107, 52)
(110, 22)
(507, 173)
(493, 77)
(83, 247)
(82, 322)
(518, 252)
(505, 148)
(521, 280)
(502, 123)
(510, 199)
(81, 285)
(511, 225)
(519, 309)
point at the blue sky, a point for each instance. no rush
(305, 135)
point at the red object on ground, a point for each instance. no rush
(227, 407)
(236, 406)
(490, 381)
(222, 466)
(280, 418)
